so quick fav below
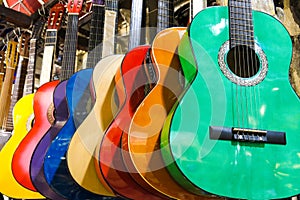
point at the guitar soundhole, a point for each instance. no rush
(243, 61)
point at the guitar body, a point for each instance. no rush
(55, 168)
(8, 184)
(90, 131)
(150, 115)
(29, 156)
(238, 169)
(110, 157)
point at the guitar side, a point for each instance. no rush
(272, 105)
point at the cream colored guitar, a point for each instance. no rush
(90, 132)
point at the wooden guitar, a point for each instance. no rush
(43, 118)
(8, 184)
(234, 118)
(11, 60)
(83, 171)
(19, 80)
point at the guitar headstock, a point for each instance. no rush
(12, 54)
(23, 48)
(56, 16)
(75, 6)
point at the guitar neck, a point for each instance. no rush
(29, 80)
(12, 57)
(2, 58)
(110, 27)
(165, 18)
(240, 23)
(47, 63)
(96, 35)
(17, 91)
(135, 23)
(70, 46)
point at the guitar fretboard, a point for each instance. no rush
(135, 23)
(96, 35)
(165, 14)
(29, 81)
(240, 23)
(70, 46)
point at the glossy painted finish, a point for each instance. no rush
(143, 138)
(238, 169)
(90, 132)
(55, 165)
(44, 137)
(8, 184)
(110, 157)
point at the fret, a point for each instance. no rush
(240, 23)
(165, 14)
(96, 35)
(70, 46)
(29, 82)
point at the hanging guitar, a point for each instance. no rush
(240, 110)
(90, 122)
(55, 167)
(43, 116)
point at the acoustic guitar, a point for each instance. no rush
(8, 184)
(88, 134)
(43, 118)
(233, 123)
(133, 85)
(55, 165)
(100, 93)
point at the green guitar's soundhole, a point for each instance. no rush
(243, 61)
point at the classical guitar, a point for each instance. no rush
(240, 114)
(76, 86)
(8, 184)
(55, 166)
(149, 116)
(88, 134)
(43, 118)
(113, 169)
(83, 171)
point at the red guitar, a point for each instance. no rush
(43, 113)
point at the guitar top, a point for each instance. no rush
(240, 108)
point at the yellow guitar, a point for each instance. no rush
(8, 185)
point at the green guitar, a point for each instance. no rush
(235, 132)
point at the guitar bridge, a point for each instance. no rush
(247, 135)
